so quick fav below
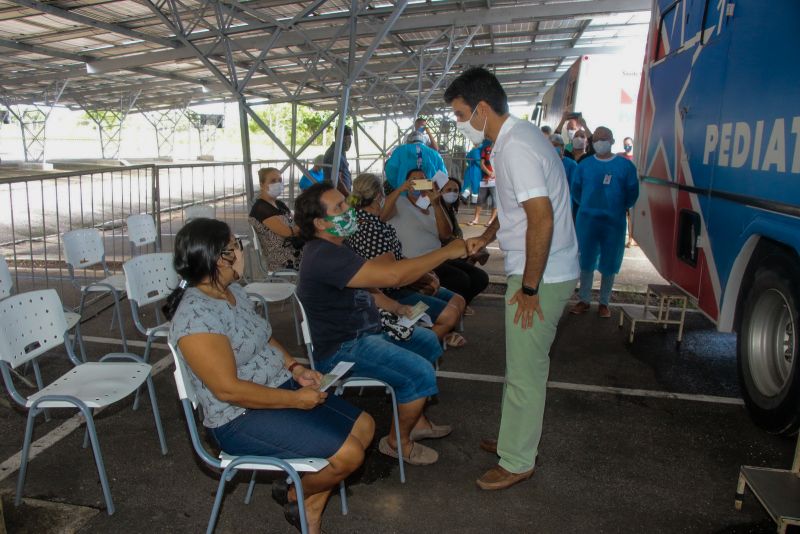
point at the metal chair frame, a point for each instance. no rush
(358, 382)
(33, 323)
(230, 464)
(83, 249)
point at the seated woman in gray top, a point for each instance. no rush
(256, 399)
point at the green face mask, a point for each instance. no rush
(344, 225)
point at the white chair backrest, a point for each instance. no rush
(30, 324)
(6, 280)
(83, 248)
(141, 229)
(199, 211)
(256, 242)
(150, 277)
(306, 333)
(182, 381)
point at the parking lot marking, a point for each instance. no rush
(11, 465)
(631, 392)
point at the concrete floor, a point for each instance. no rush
(610, 461)
(619, 452)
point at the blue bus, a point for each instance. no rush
(718, 152)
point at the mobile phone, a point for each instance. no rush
(422, 185)
(575, 115)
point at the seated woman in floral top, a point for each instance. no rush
(272, 220)
(375, 238)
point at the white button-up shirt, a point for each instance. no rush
(526, 166)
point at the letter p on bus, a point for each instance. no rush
(712, 138)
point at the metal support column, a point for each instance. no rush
(293, 148)
(32, 120)
(164, 123)
(109, 123)
(246, 158)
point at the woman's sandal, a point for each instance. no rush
(291, 512)
(472, 223)
(468, 312)
(455, 340)
(280, 491)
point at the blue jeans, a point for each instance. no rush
(436, 302)
(407, 366)
(606, 285)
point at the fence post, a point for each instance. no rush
(156, 207)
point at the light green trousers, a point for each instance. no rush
(527, 369)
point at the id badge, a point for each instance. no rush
(607, 179)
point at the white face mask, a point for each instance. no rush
(602, 147)
(275, 189)
(423, 203)
(571, 133)
(450, 197)
(470, 132)
(579, 143)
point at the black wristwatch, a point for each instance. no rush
(530, 291)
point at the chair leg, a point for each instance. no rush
(396, 416)
(250, 487)
(37, 373)
(212, 521)
(118, 314)
(157, 415)
(79, 340)
(343, 497)
(98, 460)
(145, 359)
(23, 462)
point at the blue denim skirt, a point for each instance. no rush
(288, 432)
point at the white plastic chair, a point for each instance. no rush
(142, 232)
(149, 279)
(358, 382)
(72, 318)
(33, 323)
(82, 249)
(288, 274)
(199, 211)
(231, 464)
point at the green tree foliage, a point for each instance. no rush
(279, 119)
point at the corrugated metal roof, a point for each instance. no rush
(107, 49)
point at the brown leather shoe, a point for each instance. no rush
(489, 445)
(604, 312)
(579, 308)
(498, 478)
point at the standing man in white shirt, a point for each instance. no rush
(535, 230)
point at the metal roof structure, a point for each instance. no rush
(392, 58)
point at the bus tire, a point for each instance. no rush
(767, 345)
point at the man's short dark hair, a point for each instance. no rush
(348, 130)
(478, 84)
(307, 207)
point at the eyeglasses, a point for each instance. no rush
(237, 245)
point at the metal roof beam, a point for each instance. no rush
(497, 15)
(87, 21)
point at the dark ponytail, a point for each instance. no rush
(198, 246)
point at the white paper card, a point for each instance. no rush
(417, 312)
(336, 373)
(441, 179)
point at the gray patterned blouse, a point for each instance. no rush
(248, 332)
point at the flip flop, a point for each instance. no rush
(468, 312)
(472, 223)
(455, 340)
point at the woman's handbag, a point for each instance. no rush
(394, 330)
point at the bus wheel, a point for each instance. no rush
(768, 345)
